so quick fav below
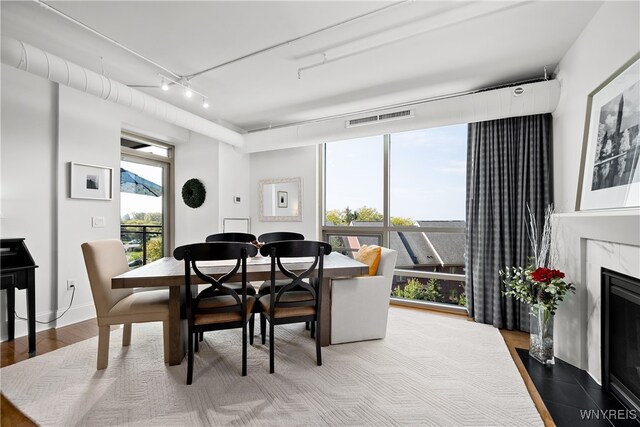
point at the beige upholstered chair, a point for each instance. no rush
(105, 259)
(360, 305)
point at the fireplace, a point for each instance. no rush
(621, 337)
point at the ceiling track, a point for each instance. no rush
(232, 61)
(400, 105)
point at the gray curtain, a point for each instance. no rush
(509, 166)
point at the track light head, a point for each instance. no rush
(205, 103)
(164, 85)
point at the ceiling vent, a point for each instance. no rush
(387, 117)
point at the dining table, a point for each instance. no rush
(169, 272)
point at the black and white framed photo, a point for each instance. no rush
(609, 173)
(283, 199)
(91, 182)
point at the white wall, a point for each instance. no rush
(46, 126)
(288, 163)
(198, 159)
(234, 177)
(28, 193)
(608, 41)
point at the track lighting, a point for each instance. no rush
(186, 85)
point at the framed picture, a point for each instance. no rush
(609, 172)
(91, 182)
(283, 199)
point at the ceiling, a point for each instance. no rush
(408, 51)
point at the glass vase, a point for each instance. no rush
(541, 335)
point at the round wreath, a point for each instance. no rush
(193, 193)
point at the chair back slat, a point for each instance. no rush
(277, 236)
(231, 237)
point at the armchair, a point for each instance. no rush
(360, 305)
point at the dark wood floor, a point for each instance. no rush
(53, 339)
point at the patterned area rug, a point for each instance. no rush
(431, 370)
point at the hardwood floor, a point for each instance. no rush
(53, 339)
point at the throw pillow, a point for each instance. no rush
(370, 255)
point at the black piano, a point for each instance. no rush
(18, 272)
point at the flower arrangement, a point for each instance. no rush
(540, 286)
(537, 284)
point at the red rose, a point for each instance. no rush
(542, 274)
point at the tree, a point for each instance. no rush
(335, 216)
(400, 221)
(412, 290)
(366, 213)
(154, 249)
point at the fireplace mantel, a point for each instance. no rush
(585, 242)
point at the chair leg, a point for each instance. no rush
(313, 329)
(263, 328)
(244, 349)
(197, 342)
(103, 346)
(318, 346)
(306, 326)
(126, 334)
(251, 328)
(201, 337)
(271, 352)
(165, 340)
(190, 357)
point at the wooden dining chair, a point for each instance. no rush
(276, 237)
(105, 259)
(293, 306)
(217, 307)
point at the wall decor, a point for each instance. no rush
(280, 199)
(90, 182)
(193, 193)
(609, 172)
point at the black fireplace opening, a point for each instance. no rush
(621, 337)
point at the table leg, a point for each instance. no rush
(176, 345)
(325, 313)
(11, 311)
(31, 311)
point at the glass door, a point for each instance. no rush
(144, 208)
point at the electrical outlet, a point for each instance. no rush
(71, 284)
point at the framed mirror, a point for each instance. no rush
(280, 199)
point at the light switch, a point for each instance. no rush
(97, 221)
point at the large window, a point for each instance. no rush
(405, 191)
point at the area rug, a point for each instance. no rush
(430, 370)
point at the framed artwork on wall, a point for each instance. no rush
(609, 171)
(90, 182)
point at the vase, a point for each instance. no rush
(541, 335)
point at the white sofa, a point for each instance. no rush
(360, 305)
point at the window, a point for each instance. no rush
(406, 191)
(144, 200)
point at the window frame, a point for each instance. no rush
(385, 230)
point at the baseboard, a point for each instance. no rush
(74, 315)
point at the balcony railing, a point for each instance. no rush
(425, 283)
(136, 238)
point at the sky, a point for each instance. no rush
(428, 173)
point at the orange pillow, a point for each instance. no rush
(370, 255)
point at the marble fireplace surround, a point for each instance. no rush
(586, 242)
